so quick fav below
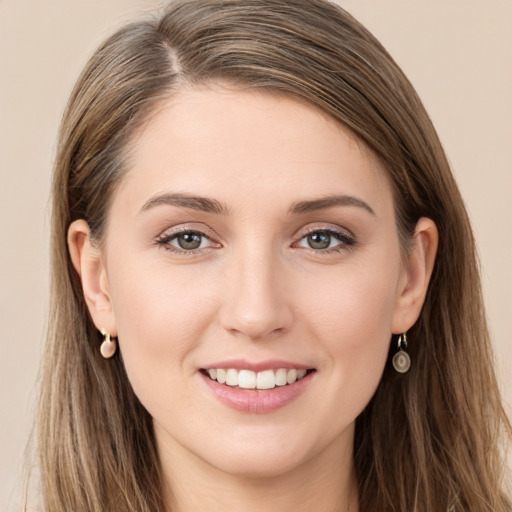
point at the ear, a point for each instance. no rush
(90, 267)
(416, 276)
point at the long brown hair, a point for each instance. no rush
(428, 440)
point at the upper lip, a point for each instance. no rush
(242, 364)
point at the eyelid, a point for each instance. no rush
(169, 234)
(186, 227)
(345, 237)
(332, 228)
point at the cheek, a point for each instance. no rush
(352, 303)
(351, 320)
(157, 300)
(160, 314)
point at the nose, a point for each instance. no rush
(256, 304)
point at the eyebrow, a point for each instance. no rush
(329, 202)
(208, 205)
(202, 204)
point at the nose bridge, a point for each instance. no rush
(256, 304)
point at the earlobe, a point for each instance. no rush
(89, 265)
(418, 271)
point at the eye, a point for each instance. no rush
(189, 241)
(325, 240)
(186, 241)
(319, 240)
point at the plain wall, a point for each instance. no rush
(458, 53)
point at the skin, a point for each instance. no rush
(255, 290)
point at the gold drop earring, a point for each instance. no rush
(401, 360)
(109, 346)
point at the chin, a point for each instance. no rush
(258, 466)
(264, 455)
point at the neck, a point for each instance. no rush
(326, 483)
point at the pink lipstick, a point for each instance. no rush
(256, 387)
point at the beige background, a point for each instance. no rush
(457, 53)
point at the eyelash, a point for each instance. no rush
(346, 241)
(166, 239)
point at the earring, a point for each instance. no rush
(108, 347)
(401, 360)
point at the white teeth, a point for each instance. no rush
(221, 376)
(266, 380)
(291, 376)
(247, 379)
(281, 377)
(232, 377)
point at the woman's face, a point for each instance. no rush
(252, 237)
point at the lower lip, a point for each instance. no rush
(257, 401)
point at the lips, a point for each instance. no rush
(257, 387)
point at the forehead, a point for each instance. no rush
(239, 145)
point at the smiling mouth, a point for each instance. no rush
(248, 379)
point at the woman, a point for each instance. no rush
(264, 279)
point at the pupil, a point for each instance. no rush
(319, 240)
(189, 241)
